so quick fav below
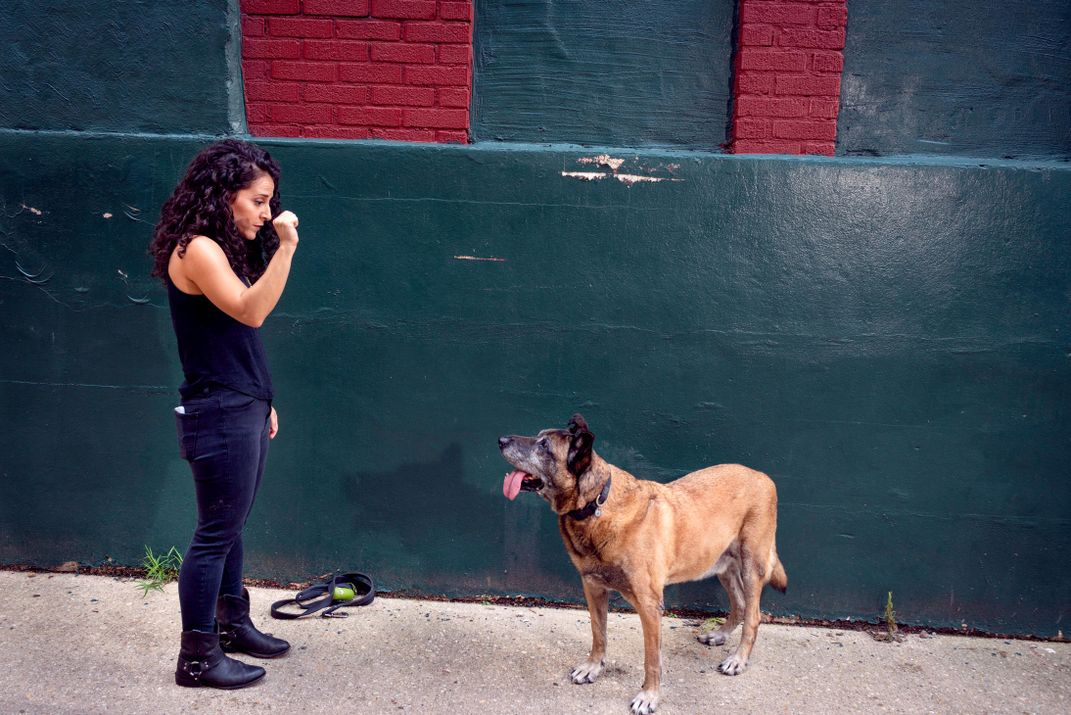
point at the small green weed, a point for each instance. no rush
(710, 624)
(890, 617)
(892, 633)
(159, 570)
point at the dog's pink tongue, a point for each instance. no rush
(511, 487)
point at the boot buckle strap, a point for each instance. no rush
(189, 667)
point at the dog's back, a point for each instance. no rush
(723, 510)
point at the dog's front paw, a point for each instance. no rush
(712, 638)
(733, 665)
(586, 672)
(645, 702)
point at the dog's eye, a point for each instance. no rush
(542, 444)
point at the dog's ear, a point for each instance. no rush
(579, 458)
(577, 423)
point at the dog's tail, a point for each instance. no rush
(778, 577)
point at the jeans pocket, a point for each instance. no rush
(186, 425)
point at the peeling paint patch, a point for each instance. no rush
(614, 164)
(602, 160)
(31, 209)
(585, 175)
(106, 215)
(492, 259)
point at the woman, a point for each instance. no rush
(225, 261)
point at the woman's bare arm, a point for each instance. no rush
(206, 266)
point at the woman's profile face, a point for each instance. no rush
(251, 206)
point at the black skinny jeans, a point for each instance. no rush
(224, 436)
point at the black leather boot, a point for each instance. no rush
(201, 663)
(237, 634)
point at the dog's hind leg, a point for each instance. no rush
(752, 582)
(598, 599)
(734, 588)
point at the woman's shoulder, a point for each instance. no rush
(204, 244)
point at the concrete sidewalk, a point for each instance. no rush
(93, 644)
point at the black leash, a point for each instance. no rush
(321, 596)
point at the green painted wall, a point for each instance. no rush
(963, 78)
(888, 339)
(624, 73)
(132, 65)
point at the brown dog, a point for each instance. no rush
(635, 536)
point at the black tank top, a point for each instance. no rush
(216, 349)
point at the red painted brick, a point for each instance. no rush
(253, 27)
(272, 49)
(299, 27)
(454, 97)
(828, 62)
(823, 108)
(256, 69)
(403, 52)
(804, 129)
(823, 85)
(308, 71)
(825, 148)
(436, 118)
(777, 13)
(455, 32)
(258, 113)
(273, 91)
(404, 96)
(369, 30)
(346, 51)
(753, 35)
(405, 135)
(370, 116)
(457, 76)
(337, 93)
(337, 8)
(773, 60)
(371, 73)
(755, 83)
(765, 147)
(751, 128)
(750, 106)
(275, 130)
(302, 113)
(452, 137)
(332, 132)
(830, 18)
(404, 9)
(270, 7)
(455, 54)
(455, 10)
(812, 39)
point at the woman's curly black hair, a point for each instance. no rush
(201, 206)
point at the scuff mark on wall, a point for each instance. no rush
(493, 259)
(34, 211)
(133, 213)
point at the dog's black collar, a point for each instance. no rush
(594, 506)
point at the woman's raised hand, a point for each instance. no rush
(286, 225)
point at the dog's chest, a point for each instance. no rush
(586, 557)
(608, 576)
